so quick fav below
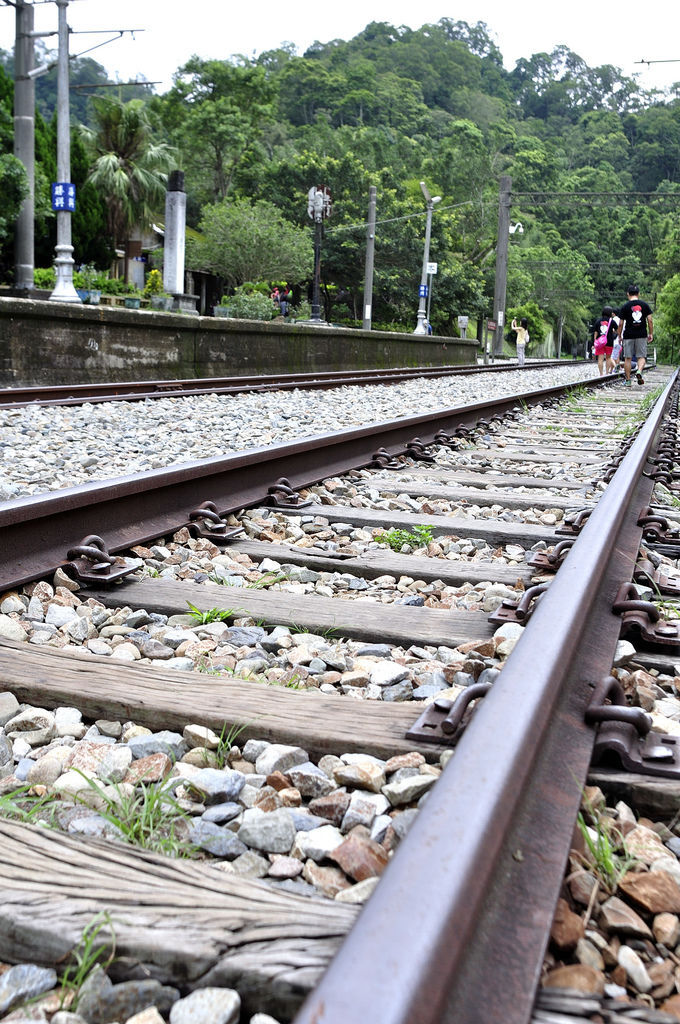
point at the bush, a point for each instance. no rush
(303, 311)
(115, 286)
(97, 280)
(44, 277)
(246, 306)
(154, 284)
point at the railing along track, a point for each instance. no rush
(138, 391)
(457, 929)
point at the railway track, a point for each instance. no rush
(130, 391)
(314, 617)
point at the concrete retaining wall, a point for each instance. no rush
(45, 342)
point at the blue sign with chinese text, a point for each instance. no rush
(422, 291)
(63, 196)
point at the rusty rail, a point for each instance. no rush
(458, 925)
(36, 532)
(138, 391)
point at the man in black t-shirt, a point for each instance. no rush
(637, 329)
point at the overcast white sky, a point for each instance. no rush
(600, 31)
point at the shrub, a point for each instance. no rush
(254, 306)
(44, 277)
(154, 284)
(99, 280)
(116, 286)
(303, 311)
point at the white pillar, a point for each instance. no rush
(63, 263)
(175, 234)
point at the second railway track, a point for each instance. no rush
(319, 645)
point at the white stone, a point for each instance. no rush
(10, 629)
(635, 969)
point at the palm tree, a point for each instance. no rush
(127, 167)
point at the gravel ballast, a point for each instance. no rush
(45, 448)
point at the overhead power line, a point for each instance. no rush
(595, 198)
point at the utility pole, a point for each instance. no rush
(430, 201)
(63, 199)
(370, 253)
(501, 262)
(24, 143)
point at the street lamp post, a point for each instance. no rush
(318, 207)
(63, 199)
(421, 327)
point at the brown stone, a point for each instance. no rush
(666, 928)
(290, 797)
(579, 977)
(671, 1006)
(581, 885)
(662, 977)
(644, 844)
(360, 857)
(360, 775)
(654, 891)
(619, 976)
(153, 768)
(642, 678)
(411, 760)
(332, 806)
(267, 799)
(567, 927)
(87, 756)
(485, 647)
(278, 781)
(593, 799)
(328, 880)
(616, 916)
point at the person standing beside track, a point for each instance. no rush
(637, 329)
(522, 338)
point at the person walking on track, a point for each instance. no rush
(637, 329)
(603, 337)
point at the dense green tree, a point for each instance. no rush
(667, 323)
(217, 114)
(243, 241)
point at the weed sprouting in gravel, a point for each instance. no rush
(418, 537)
(149, 816)
(29, 808)
(90, 952)
(606, 852)
(212, 615)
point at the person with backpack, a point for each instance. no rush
(637, 329)
(604, 337)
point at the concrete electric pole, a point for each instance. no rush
(370, 252)
(501, 263)
(24, 143)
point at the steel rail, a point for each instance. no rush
(458, 926)
(138, 391)
(36, 532)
